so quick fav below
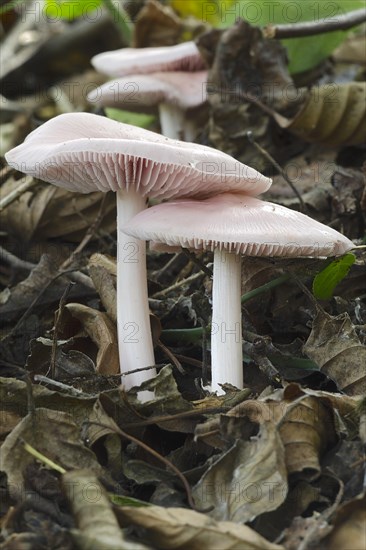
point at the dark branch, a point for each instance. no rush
(310, 28)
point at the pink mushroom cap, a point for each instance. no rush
(85, 153)
(182, 57)
(237, 223)
(140, 91)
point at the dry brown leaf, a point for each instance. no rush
(96, 522)
(8, 421)
(334, 345)
(349, 529)
(352, 50)
(305, 425)
(18, 298)
(105, 285)
(52, 433)
(333, 114)
(156, 25)
(304, 530)
(307, 431)
(179, 528)
(47, 211)
(246, 481)
(103, 332)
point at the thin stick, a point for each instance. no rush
(14, 261)
(196, 260)
(166, 291)
(310, 28)
(16, 193)
(278, 167)
(55, 333)
(159, 457)
(171, 356)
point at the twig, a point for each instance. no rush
(55, 332)
(171, 356)
(189, 360)
(57, 384)
(278, 167)
(16, 193)
(14, 261)
(159, 457)
(185, 414)
(196, 260)
(166, 291)
(88, 236)
(17, 263)
(310, 28)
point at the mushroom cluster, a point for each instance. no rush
(211, 206)
(85, 152)
(171, 79)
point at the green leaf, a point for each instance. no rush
(70, 9)
(136, 119)
(325, 282)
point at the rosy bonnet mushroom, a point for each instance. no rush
(232, 225)
(127, 61)
(171, 77)
(84, 152)
(173, 93)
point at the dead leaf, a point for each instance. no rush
(52, 433)
(352, 50)
(333, 114)
(8, 421)
(349, 526)
(156, 25)
(103, 332)
(349, 186)
(242, 63)
(304, 529)
(305, 426)
(179, 528)
(247, 480)
(167, 400)
(96, 522)
(105, 285)
(47, 211)
(22, 295)
(334, 345)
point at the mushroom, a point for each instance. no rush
(176, 94)
(85, 152)
(182, 57)
(231, 225)
(172, 92)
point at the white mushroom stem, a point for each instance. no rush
(190, 130)
(226, 332)
(172, 120)
(133, 323)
